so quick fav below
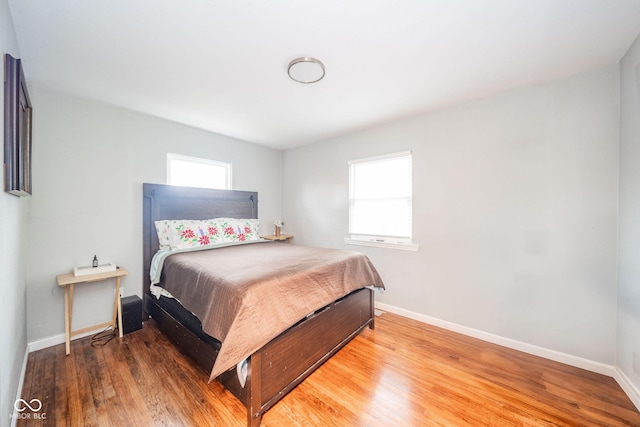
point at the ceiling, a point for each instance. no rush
(222, 65)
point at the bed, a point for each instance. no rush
(274, 364)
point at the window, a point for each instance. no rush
(196, 172)
(380, 201)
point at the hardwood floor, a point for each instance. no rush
(402, 373)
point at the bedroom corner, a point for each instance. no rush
(13, 253)
(628, 326)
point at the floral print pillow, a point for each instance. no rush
(187, 234)
(195, 233)
(238, 230)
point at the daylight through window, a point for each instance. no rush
(380, 198)
(197, 172)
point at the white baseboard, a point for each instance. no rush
(579, 362)
(628, 387)
(23, 372)
(55, 340)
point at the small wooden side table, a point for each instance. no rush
(281, 237)
(69, 281)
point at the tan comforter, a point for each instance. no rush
(247, 295)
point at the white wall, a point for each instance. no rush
(628, 354)
(90, 161)
(13, 216)
(515, 207)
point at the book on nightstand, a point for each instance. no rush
(102, 268)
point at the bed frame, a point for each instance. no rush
(288, 359)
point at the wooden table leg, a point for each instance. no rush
(71, 289)
(114, 318)
(67, 321)
(118, 307)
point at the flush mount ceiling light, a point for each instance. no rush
(306, 70)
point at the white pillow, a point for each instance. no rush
(162, 228)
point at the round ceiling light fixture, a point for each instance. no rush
(306, 70)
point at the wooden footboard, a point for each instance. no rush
(287, 360)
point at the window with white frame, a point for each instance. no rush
(380, 199)
(197, 172)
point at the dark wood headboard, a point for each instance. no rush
(171, 202)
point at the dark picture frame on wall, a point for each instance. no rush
(18, 118)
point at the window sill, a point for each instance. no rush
(388, 245)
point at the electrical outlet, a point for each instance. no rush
(635, 363)
(121, 291)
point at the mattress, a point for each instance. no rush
(244, 296)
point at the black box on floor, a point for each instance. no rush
(131, 314)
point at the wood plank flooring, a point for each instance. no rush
(403, 373)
